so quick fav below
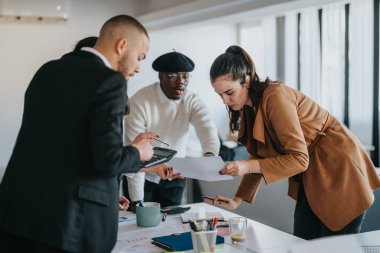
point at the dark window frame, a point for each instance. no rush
(376, 69)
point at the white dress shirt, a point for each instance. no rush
(152, 111)
(97, 53)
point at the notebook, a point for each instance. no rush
(178, 242)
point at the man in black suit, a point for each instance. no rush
(60, 189)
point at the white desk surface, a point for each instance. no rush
(260, 237)
(368, 238)
(368, 242)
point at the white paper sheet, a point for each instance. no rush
(131, 238)
(202, 168)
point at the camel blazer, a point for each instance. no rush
(293, 137)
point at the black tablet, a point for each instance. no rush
(160, 155)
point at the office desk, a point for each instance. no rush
(260, 237)
(369, 241)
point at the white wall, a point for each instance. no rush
(25, 47)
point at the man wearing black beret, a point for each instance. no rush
(168, 108)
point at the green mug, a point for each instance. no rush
(148, 215)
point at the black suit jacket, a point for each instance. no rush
(61, 185)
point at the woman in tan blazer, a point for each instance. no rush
(289, 136)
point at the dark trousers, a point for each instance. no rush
(16, 244)
(308, 226)
(167, 193)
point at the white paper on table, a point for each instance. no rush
(203, 168)
(140, 241)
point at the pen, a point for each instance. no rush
(215, 223)
(164, 217)
(160, 141)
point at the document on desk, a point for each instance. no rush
(138, 239)
(203, 168)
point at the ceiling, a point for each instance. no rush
(183, 12)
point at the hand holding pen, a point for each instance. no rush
(241, 168)
(236, 168)
(156, 139)
(143, 143)
(223, 201)
(213, 201)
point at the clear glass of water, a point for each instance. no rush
(238, 228)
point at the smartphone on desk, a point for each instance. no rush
(160, 155)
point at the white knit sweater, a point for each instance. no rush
(152, 111)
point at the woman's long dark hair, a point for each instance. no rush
(237, 64)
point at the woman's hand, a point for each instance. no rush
(123, 203)
(236, 168)
(223, 202)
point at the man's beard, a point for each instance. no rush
(122, 66)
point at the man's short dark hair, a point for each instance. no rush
(123, 20)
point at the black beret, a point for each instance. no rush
(173, 62)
